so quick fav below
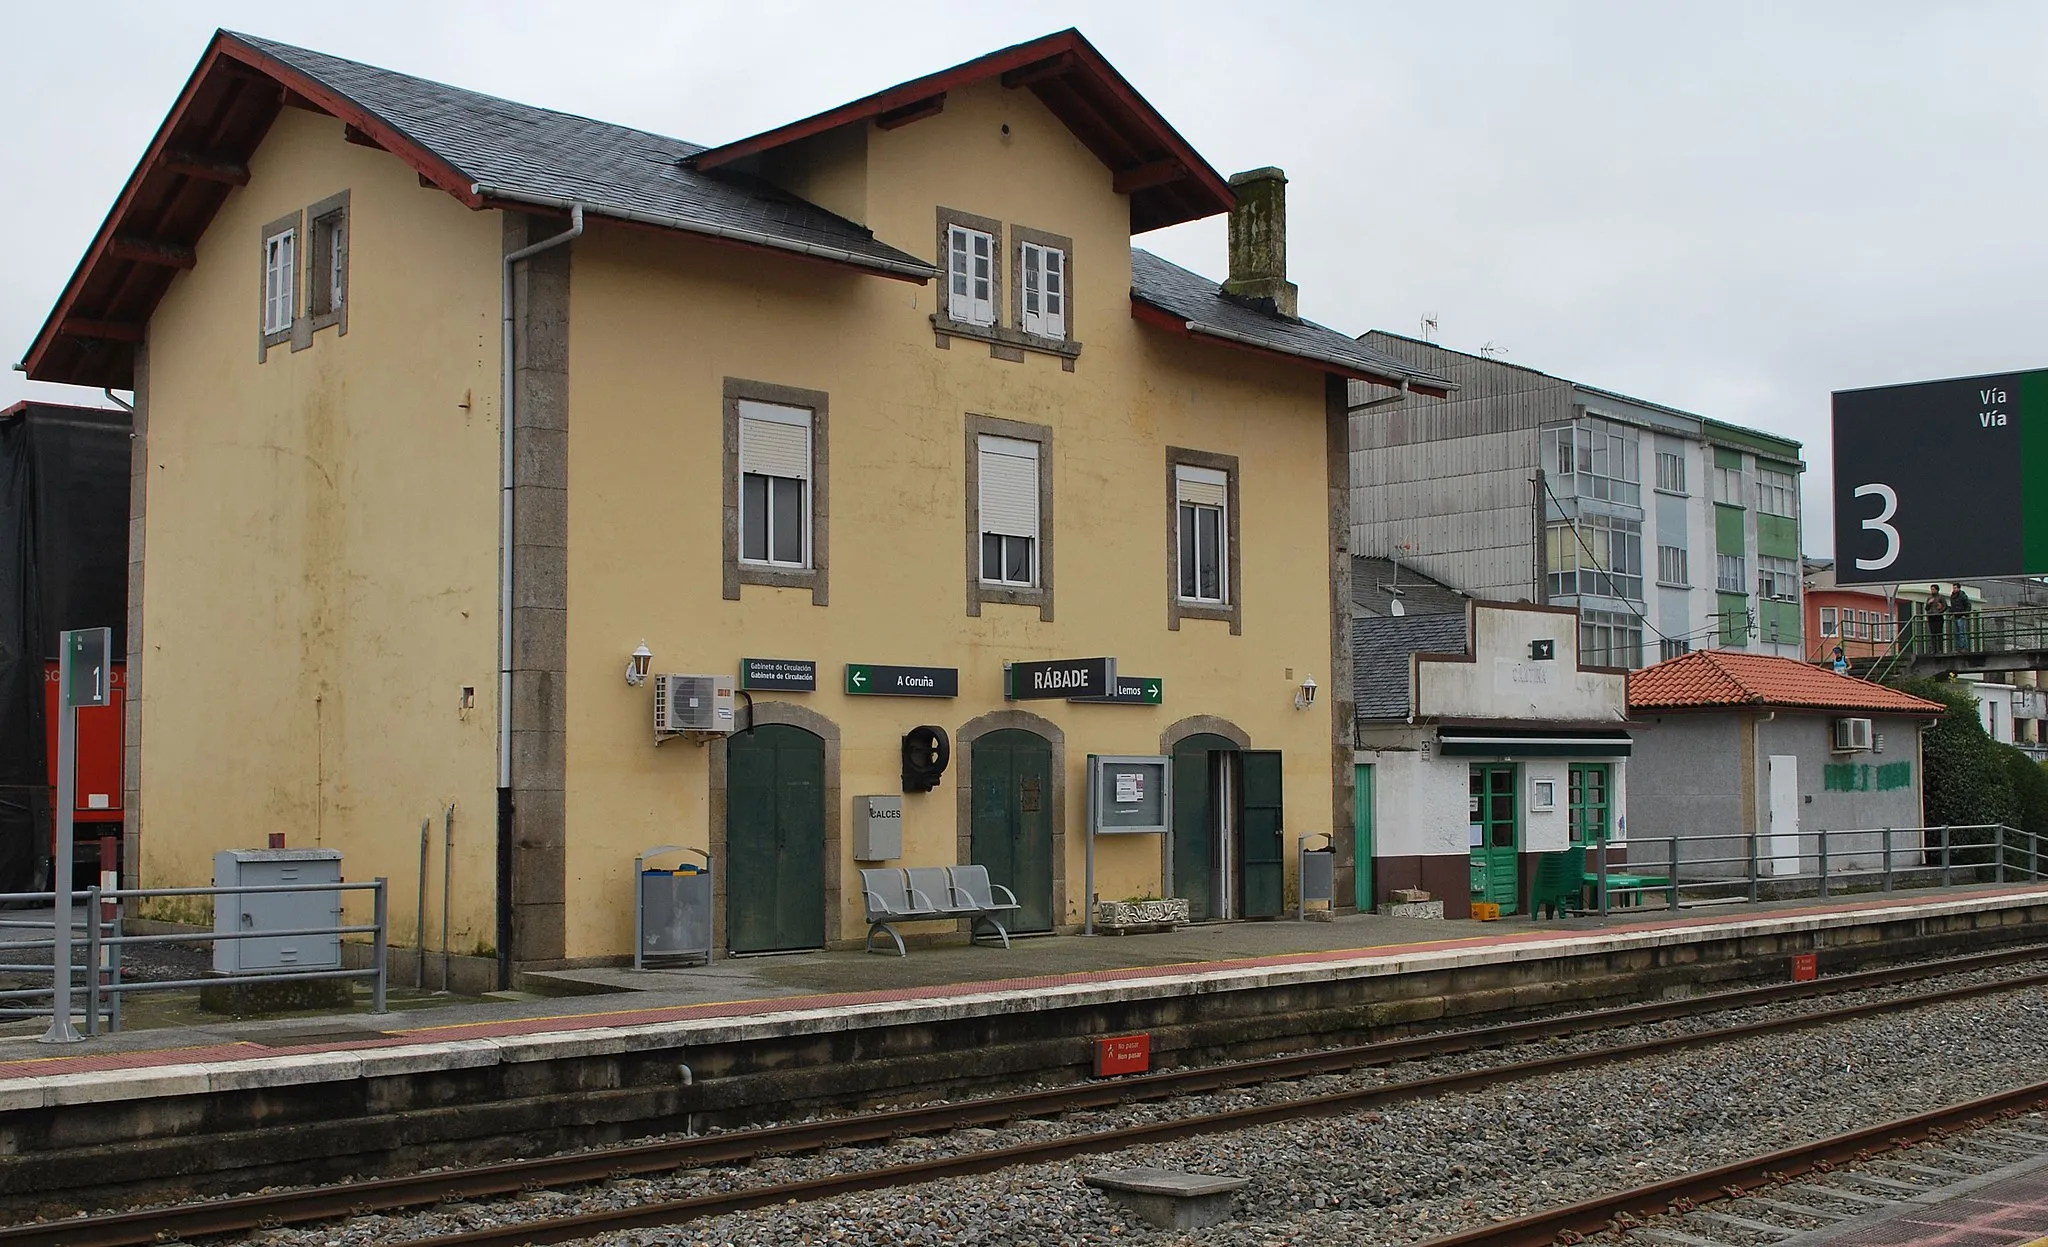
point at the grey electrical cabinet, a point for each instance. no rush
(312, 909)
(877, 829)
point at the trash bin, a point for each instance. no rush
(1317, 880)
(672, 913)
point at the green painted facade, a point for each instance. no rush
(1779, 622)
(1733, 609)
(1728, 538)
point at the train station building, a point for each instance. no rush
(549, 435)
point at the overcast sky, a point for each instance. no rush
(1728, 208)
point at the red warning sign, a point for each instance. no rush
(1805, 967)
(1123, 1054)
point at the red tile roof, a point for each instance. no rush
(1714, 678)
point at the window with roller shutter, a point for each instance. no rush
(1009, 511)
(775, 473)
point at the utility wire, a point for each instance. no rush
(1573, 523)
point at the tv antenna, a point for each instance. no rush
(1492, 350)
(1429, 327)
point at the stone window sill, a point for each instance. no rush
(1011, 595)
(1205, 610)
(1004, 343)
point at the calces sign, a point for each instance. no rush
(1942, 480)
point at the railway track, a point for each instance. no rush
(275, 1208)
(1648, 1207)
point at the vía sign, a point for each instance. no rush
(1059, 677)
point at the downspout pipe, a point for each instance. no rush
(508, 407)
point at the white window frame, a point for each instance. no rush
(970, 295)
(1731, 573)
(1830, 622)
(1777, 579)
(1672, 481)
(1673, 570)
(280, 286)
(1008, 479)
(1777, 493)
(1042, 291)
(1198, 492)
(782, 467)
(1729, 486)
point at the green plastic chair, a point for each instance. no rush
(1560, 880)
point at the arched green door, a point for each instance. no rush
(1196, 826)
(774, 840)
(1013, 817)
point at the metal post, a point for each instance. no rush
(381, 949)
(92, 960)
(1674, 874)
(114, 971)
(1751, 839)
(1947, 876)
(104, 918)
(1823, 861)
(2033, 856)
(61, 1030)
(1600, 852)
(419, 978)
(447, 886)
(1998, 867)
(1887, 859)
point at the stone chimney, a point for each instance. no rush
(1258, 241)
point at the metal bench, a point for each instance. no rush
(890, 899)
(973, 890)
(929, 893)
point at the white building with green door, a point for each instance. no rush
(1669, 531)
(1491, 755)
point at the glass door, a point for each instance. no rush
(1495, 820)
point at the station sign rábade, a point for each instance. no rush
(1059, 678)
(866, 679)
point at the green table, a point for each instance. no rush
(1626, 889)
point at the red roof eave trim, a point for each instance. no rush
(980, 70)
(227, 47)
(1160, 318)
(424, 162)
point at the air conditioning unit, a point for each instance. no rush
(1852, 735)
(692, 703)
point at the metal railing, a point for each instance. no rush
(1815, 863)
(98, 936)
(1989, 630)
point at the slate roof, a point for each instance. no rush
(1374, 580)
(518, 152)
(1195, 299)
(1379, 657)
(1713, 679)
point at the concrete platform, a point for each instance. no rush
(236, 1106)
(759, 996)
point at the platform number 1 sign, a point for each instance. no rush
(1942, 480)
(88, 675)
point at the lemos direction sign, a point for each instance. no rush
(1942, 480)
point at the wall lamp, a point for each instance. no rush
(1307, 696)
(636, 666)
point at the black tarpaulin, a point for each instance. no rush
(63, 565)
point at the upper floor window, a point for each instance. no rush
(1042, 290)
(775, 477)
(1671, 569)
(1203, 498)
(280, 270)
(1777, 493)
(1671, 471)
(1610, 639)
(1730, 573)
(1669, 648)
(1830, 624)
(1777, 580)
(1602, 458)
(1728, 485)
(970, 275)
(1008, 479)
(1599, 555)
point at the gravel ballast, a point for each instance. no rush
(1398, 1174)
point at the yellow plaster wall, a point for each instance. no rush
(321, 543)
(657, 323)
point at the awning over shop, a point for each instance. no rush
(1478, 742)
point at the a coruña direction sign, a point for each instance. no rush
(1059, 677)
(1132, 690)
(1942, 480)
(866, 679)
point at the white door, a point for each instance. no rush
(1781, 841)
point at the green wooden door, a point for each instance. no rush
(1265, 860)
(1012, 821)
(774, 840)
(1361, 836)
(1588, 802)
(1496, 836)
(1195, 821)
